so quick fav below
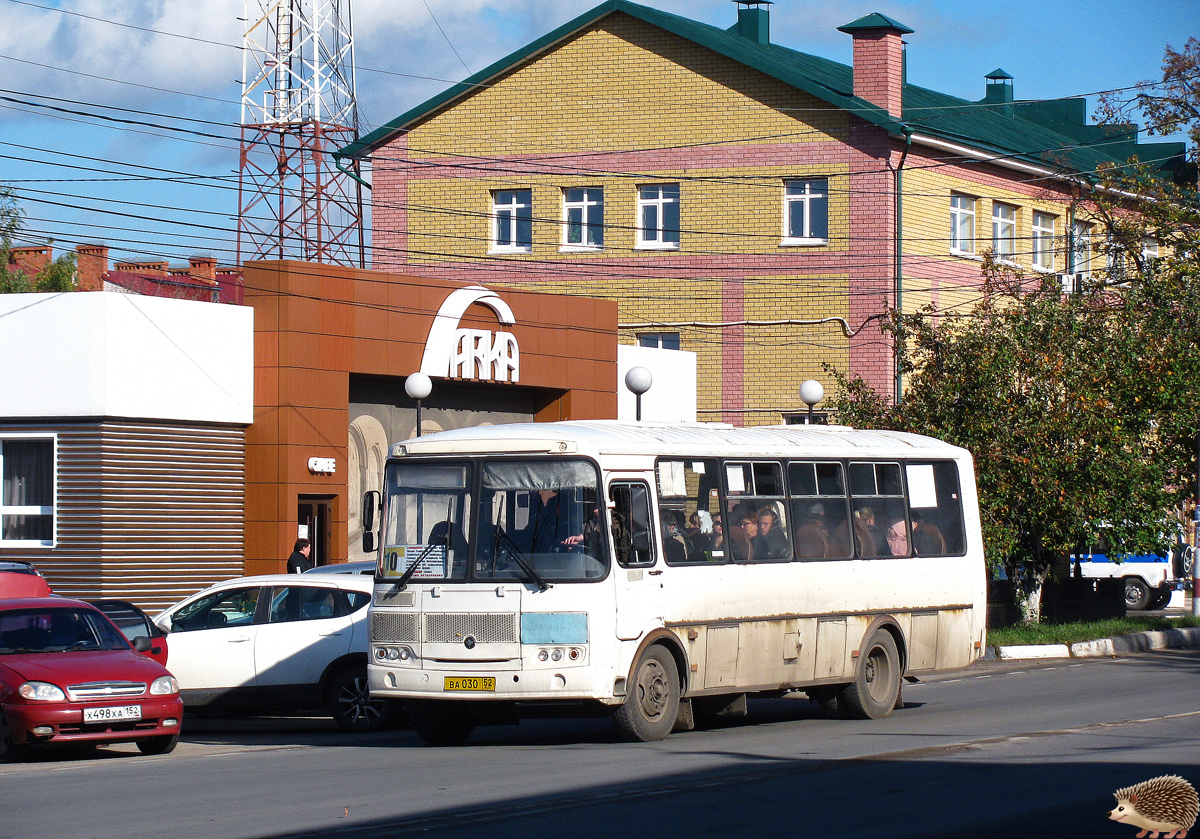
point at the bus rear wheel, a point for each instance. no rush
(441, 723)
(652, 703)
(876, 686)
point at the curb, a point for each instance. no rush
(1138, 642)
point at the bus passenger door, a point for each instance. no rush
(638, 590)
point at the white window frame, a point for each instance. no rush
(1043, 240)
(960, 217)
(510, 212)
(1002, 225)
(652, 197)
(814, 194)
(591, 217)
(1149, 249)
(29, 510)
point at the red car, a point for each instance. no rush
(20, 579)
(68, 676)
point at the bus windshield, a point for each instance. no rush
(537, 521)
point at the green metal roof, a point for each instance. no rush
(1046, 135)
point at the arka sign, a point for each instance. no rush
(454, 352)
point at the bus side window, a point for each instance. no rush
(631, 526)
(936, 508)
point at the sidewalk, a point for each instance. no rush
(1138, 642)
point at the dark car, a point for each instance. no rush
(134, 624)
(68, 676)
(21, 579)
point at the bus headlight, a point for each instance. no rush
(394, 654)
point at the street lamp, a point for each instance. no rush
(811, 392)
(418, 387)
(638, 380)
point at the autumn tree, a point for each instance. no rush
(1081, 409)
(59, 275)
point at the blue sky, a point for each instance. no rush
(88, 53)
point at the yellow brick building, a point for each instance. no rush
(761, 207)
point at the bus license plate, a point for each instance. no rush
(117, 712)
(470, 683)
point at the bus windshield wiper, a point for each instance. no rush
(402, 583)
(516, 553)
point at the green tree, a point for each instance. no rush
(1061, 405)
(58, 276)
(1080, 409)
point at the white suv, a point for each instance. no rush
(277, 643)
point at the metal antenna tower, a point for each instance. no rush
(298, 107)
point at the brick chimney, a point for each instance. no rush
(91, 261)
(31, 261)
(879, 61)
(149, 269)
(203, 268)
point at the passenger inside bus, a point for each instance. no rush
(897, 538)
(772, 535)
(926, 537)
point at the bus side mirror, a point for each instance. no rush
(370, 503)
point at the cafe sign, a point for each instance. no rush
(454, 352)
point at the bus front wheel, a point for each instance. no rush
(441, 723)
(876, 685)
(652, 704)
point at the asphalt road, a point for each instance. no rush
(998, 750)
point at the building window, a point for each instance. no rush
(1004, 231)
(512, 220)
(1043, 241)
(583, 218)
(27, 483)
(661, 340)
(962, 223)
(806, 212)
(1149, 250)
(658, 216)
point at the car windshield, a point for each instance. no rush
(537, 521)
(54, 630)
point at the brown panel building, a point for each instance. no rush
(333, 347)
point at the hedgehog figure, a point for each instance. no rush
(1161, 805)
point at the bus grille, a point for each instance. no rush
(392, 627)
(485, 628)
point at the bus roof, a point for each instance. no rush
(648, 438)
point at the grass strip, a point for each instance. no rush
(1070, 633)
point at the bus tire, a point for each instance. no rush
(441, 723)
(652, 704)
(1137, 593)
(872, 694)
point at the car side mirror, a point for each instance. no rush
(368, 544)
(142, 644)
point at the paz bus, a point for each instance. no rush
(660, 573)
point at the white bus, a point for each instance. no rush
(660, 573)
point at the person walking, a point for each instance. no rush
(298, 562)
